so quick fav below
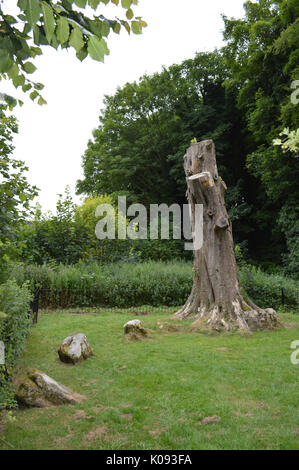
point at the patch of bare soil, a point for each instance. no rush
(134, 336)
(80, 414)
(92, 382)
(169, 327)
(156, 433)
(210, 419)
(99, 432)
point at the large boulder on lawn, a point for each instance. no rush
(74, 349)
(134, 330)
(36, 389)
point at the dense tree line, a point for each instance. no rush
(238, 96)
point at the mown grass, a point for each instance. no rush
(154, 394)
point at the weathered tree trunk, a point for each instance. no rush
(216, 300)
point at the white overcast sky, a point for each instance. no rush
(53, 138)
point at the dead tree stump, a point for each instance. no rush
(216, 299)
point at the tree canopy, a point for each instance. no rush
(239, 96)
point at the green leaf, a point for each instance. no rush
(41, 101)
(97, 48)
(129, 14)
(49, 21)
(136, 27)
(39, 86)
(10, 100)
(82, 54)
(63, 30)
(116, 27)
(93, 3)
(19, 81)
(76, 39)
(104, 29)
(22, 197)
(13, 72)
(127, 26)
(29, 67)
(10, 19)
(36, 35)
(33, 95)
(32, 11)
(26, 87)
(34, 51)
(6, 63)
(81, 3)
(126, 3)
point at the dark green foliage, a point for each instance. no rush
(145, 129)
(15, 192)
(57, 238)
(149, 283)
(146, 126)
(262, 55)
(15, 304)
(239, 97)
(69, 237)
(269, 290)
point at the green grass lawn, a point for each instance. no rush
(155, 393)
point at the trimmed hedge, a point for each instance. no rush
(14, 327)
(148, 283)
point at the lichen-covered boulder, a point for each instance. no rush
(134, 330)
(74, 349)
(36, 389)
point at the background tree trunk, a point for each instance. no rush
(216, 298)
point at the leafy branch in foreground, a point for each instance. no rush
(56, 23)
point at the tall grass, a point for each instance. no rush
(151, 283)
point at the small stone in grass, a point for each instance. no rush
(36, 389)
(134, 330)
(74, 349)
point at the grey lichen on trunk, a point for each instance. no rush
(216, 299)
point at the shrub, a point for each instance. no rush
(269, 290)
(132, 284)
(14, 326)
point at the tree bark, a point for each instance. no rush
(216, 299)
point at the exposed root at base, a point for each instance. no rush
(240, 316)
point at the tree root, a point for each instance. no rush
(239, 316)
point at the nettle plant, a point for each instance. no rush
(65, 23)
